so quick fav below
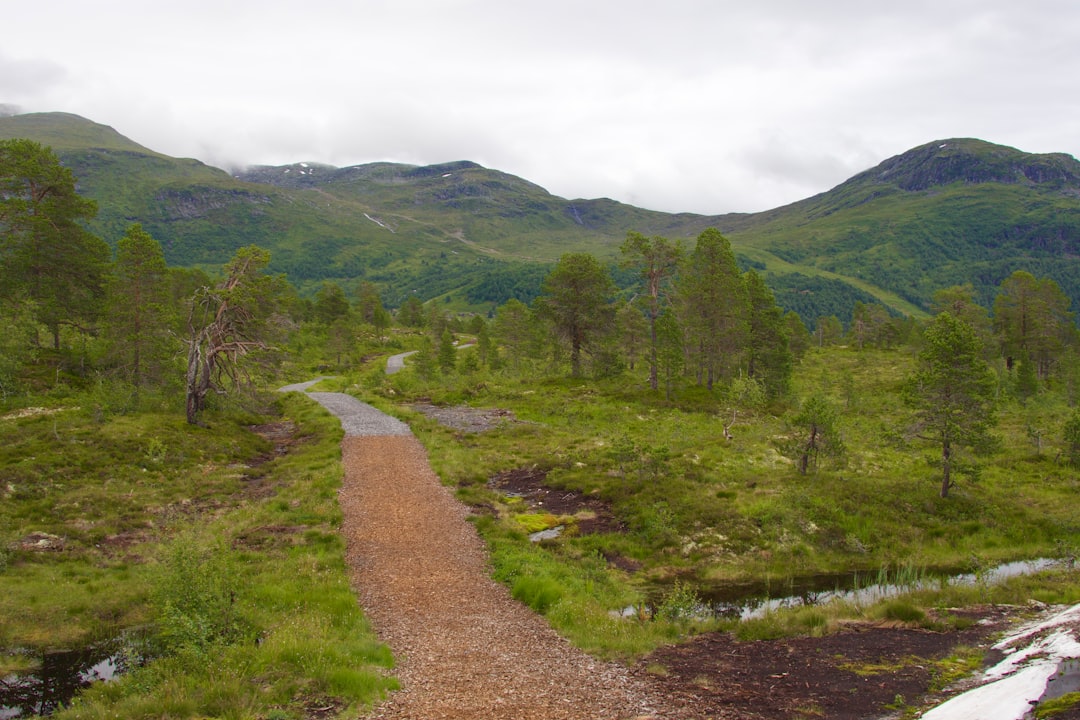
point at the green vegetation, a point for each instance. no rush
(1057, 706)
(229, 554)
(950, 212)
(707, 438)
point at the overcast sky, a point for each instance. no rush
(676, 105)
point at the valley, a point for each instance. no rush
(627, 413)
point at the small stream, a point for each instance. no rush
(750, 600)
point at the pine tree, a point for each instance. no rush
(369, 306)
(226, 323)
(576, 300)
(515, 329)
(46, 255)
(634, 331)
(140, 313)
(798, 336)
(814, 434)
(411, 312)
(670, 355)
(1032, 318)
(331, 304)
(952, 393)
(447, 354)
(768, 355)
(713, 307)
(657, 259)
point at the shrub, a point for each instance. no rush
(195, 595)
(680, 604)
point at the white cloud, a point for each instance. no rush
(689, 105)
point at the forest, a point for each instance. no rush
(162, 500)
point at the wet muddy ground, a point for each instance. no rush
(864, 671)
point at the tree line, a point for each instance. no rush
(692, 317)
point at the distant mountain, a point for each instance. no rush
(947, 212)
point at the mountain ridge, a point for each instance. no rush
(949, 211)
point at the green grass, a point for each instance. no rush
(230, 555)
(714, 512)
(1057, 706)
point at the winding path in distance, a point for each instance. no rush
(396, 363)
(465, 649)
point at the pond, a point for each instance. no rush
(60, 675)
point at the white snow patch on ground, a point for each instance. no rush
(1012, 687)
(378, 222)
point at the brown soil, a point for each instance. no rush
(863, 671)
(464, 418)
(466, 649)
(592, 515)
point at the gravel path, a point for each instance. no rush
(396, 363)
(465, 648)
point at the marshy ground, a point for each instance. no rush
(468, 650)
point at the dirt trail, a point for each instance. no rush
(465, 648)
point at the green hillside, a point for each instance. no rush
(948, 212)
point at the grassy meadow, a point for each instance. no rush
(699, 511)
(212, 552)
(208, 552)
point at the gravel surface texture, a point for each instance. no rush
(465, 648)
(396, 363)
(359, 419)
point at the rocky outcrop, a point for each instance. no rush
(944, 162)
(193, 202)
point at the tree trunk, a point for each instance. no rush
(946, 468)
(652, 350)
(191, 382)
(575, 354)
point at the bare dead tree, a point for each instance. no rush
(727, 428)
(223, 327)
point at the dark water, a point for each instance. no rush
(756, 599)
(59, 678)
(1066, 680)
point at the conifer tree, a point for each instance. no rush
(515, 330)
(634, 331)
(226, 323)
(411, 312)
(670, 355)
(814, 434)
(576, 300)
(768, 355)
(713, 307)
(447, 353)
(828, 330)
(657, 259)
(47, 256)
(331, 304)
(140, 313)
(952, 393)
(1032, 318)
(798, 335)
(369, 306)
